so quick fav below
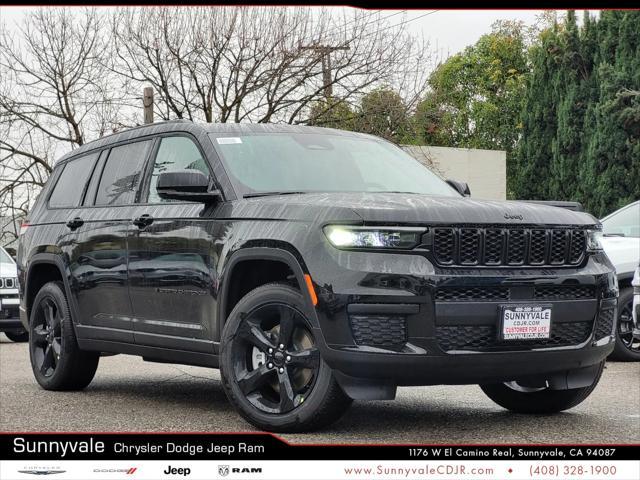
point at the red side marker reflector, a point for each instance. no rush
(312, 291)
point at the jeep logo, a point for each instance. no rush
(511, 216)
(177, 471)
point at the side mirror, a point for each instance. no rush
(461, 187)
(186, 185)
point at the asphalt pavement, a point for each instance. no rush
(129, 394)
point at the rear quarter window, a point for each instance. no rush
(70, 186)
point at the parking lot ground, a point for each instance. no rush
(129, 394)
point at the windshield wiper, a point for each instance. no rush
(614, 235)
(269, 194)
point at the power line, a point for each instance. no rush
(404, 22)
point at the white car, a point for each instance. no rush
(622, 244)
(9, 300)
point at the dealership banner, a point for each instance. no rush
(264, 456)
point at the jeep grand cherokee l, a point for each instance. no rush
(313, 267)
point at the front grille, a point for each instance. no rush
(476, 294)
(564, 292)
(512, 246)
(484, 338)
(540, 292)
(8, 282)
(383, 331)
(604, 325)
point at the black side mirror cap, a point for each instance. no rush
(461, 187)
(186, 185)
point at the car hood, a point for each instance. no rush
(8, 270)
(624, 253)
(401, 208)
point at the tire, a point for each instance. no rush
(627, 348)
(314, 398)
(56, 360)
(18, 336)
(540, 401)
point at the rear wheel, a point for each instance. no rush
(56, 360)
(18, 336)
(627, 347)
(522, 399)
(271, 367)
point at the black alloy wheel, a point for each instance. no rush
(271, 365)
(275, 358)
(56, 360)
(625, 328)
(627, 347)
(47, 336)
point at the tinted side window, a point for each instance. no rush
(70, 185)
(121, 174)
(175, 153)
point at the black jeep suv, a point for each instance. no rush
(313, 267)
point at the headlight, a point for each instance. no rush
(594, 240)
(344, 236)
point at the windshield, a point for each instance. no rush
(624, 222)
(297, 162)
(4, 257)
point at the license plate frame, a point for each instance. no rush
(543, 325)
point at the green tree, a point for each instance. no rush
(475, 96)
(611, 174)
(529, 174)
(384, 113)
(332, 113)
(572, 92)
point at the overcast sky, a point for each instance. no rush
(448, 31)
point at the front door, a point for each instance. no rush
(173, 281)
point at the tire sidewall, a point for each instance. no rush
(302, 413)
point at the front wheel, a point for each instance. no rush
(18, 336)
(521, 399)
(271, 367)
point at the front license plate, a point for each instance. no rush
(525, 322)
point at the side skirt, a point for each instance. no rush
(151, 354)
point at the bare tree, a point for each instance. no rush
(55, 94)
(262, 64)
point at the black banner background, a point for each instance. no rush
(196, 446)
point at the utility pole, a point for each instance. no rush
(147, 103)
(325, 51)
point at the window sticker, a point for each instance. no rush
(228, 140)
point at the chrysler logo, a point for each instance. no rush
(511, 216)
(41, 472)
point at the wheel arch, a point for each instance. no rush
(44, 268)
(226, 300)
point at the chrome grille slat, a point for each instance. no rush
(509, 246)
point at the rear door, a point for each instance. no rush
(99, 258)
(172, 257)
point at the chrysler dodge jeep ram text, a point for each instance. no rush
(313, 267)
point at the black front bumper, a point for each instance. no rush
(399, 328)
(462, 368)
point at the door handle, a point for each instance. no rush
(75, 223)
(143, 221)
